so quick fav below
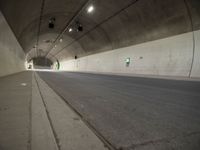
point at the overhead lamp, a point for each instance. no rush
(79, 27)
(23, 84)
(90, 9)
(70, 29)
(61, 40)
(52, 22)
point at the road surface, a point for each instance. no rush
(134, 113)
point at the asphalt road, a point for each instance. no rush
(134, 113)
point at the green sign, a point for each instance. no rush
(128, 61)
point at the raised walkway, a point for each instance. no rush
(33, 117)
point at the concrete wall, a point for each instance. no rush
(11, 54)
(171, 56)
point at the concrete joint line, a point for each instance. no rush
(48, 115)
(91, 127)
(30, 116)
(193, 36)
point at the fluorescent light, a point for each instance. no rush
(23, 84)
(90, 9)
(70, 29)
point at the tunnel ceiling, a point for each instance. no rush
(113, 24)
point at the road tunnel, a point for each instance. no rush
(99, 74)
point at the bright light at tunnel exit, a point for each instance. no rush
(29, 65)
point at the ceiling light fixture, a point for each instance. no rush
(79, 26)
(61, 40)
(90, 9)
(70, 29)
(52, 22)
(55, 45)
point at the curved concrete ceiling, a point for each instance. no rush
(112, 25)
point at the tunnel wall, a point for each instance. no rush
(171, 56)
(11, 54)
